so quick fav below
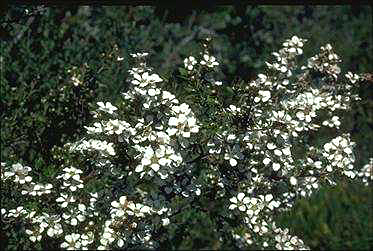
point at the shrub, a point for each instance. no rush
(235, 156)
(51, 41)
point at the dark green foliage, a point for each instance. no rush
(194, 229)
(360, 121)
(336, 218)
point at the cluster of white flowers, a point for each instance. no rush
(75, 215)
(52, 225)
(233, 109)
(308, 186)
(352, 77)
(14, 213)
(145, 79)
(19, 172)
(103, 147)
(281, 240)
(152, 160)
(183, 122)
(327, 61)
(113, 126)
(244, 166)
(76, 78)
(288, 242)
(121, 214)
(340, 156)
(38, 189)
(292, 48)
(333, 122)
(206, 60)
(263, 96)
(366, 173)
(71, 179)
(252, 206)
(45, 221)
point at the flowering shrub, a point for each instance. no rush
(155, 156)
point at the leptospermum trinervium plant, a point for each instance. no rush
(151, 157)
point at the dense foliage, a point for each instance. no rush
(334, 218)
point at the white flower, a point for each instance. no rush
(145, 79)
(139, 54)
(264, 95)
(286, 151)
(190, 62)
(240, 201)
(328, 147)
(20, 172)
(116, 126)
(65, 200)
(35, 235)
(165, 221)
(266, 161)
(16, 212)
(209, 61)
(283, 69)
(173, 121)
(234, 109)
(75, 216)
(277, 152)
(55, 229)
(276, 167)
(71, 172)
(184, 108)
(233, 162)
(122, 203)
(40, 189)
(108, 107)
(152, 92)
(268, 197)
(271, 146)
(72, 241)
(293, 181)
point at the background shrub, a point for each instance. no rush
(334, 219)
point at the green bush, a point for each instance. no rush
(336, 218)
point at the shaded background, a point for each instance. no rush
(41, 109)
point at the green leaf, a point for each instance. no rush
(183, 71)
